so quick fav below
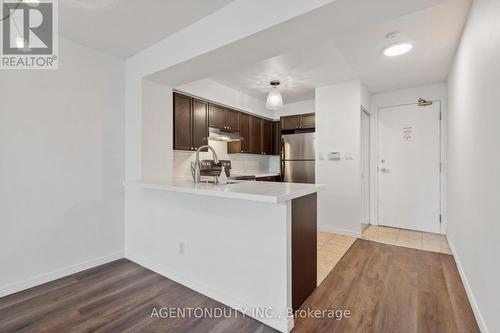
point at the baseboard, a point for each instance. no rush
(470, 295)
(57, 274)
(339, 231)
(280, 324)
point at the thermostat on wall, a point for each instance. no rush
(334, 156)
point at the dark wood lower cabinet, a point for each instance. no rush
(304, 248)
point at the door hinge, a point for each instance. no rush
(440, 115)
(440, 218)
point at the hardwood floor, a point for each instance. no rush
(392, 289)
(385, 288)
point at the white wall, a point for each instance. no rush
(338, 120)
(61, 167)
(157, 137)
(474, 161)
(307, 106)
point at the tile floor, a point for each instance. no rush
(407, 238)
(332, 247)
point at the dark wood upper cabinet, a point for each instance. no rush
(193, 117)
(276, 138)
(267, 137)
(301, 121)
(232, 120)
(182, 122)
(290, 122)
(255, 135)
(190, 123)
(217, 116)
(245, 133)
(200, 123)
(223, 118)
(307, 120)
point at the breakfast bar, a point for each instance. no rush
(249, 245)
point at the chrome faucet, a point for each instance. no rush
(195, 169)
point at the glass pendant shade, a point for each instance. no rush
(274, 100)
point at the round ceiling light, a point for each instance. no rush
(397, 49)
(274, 99)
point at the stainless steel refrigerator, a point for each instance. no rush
(298, 158)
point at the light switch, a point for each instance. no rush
(334, 156)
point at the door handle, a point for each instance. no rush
(384, 170)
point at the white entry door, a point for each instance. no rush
(409, 167)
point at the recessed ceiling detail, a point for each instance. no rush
(356, 54)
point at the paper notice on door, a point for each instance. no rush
(407, 133)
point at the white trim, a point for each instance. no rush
(281, 324)
(339, 231)
(57, 274)
(470, 295)
(375, 161)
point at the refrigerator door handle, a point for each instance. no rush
(283, 159)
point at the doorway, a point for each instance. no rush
(409, 175)
(365, 169)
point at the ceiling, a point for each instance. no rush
(357, 54)
(125, 27)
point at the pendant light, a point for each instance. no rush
(274, 99)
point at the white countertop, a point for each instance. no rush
(244, 190)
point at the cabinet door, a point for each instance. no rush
(200, 123)
(182, 123)
(290, 122)
(245, 132)
(232, 120)
(267, 137)
(307, 120)
(216, 116)
(276, 150)
(255, 135)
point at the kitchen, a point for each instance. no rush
(198, 122)
(236, 186)
(271, 158)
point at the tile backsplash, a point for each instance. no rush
(242, 164)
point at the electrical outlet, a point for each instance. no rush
(181, 248)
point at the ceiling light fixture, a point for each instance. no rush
(274, 99)
(397, 49)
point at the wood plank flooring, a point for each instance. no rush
(385, 288)
(392, 289)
